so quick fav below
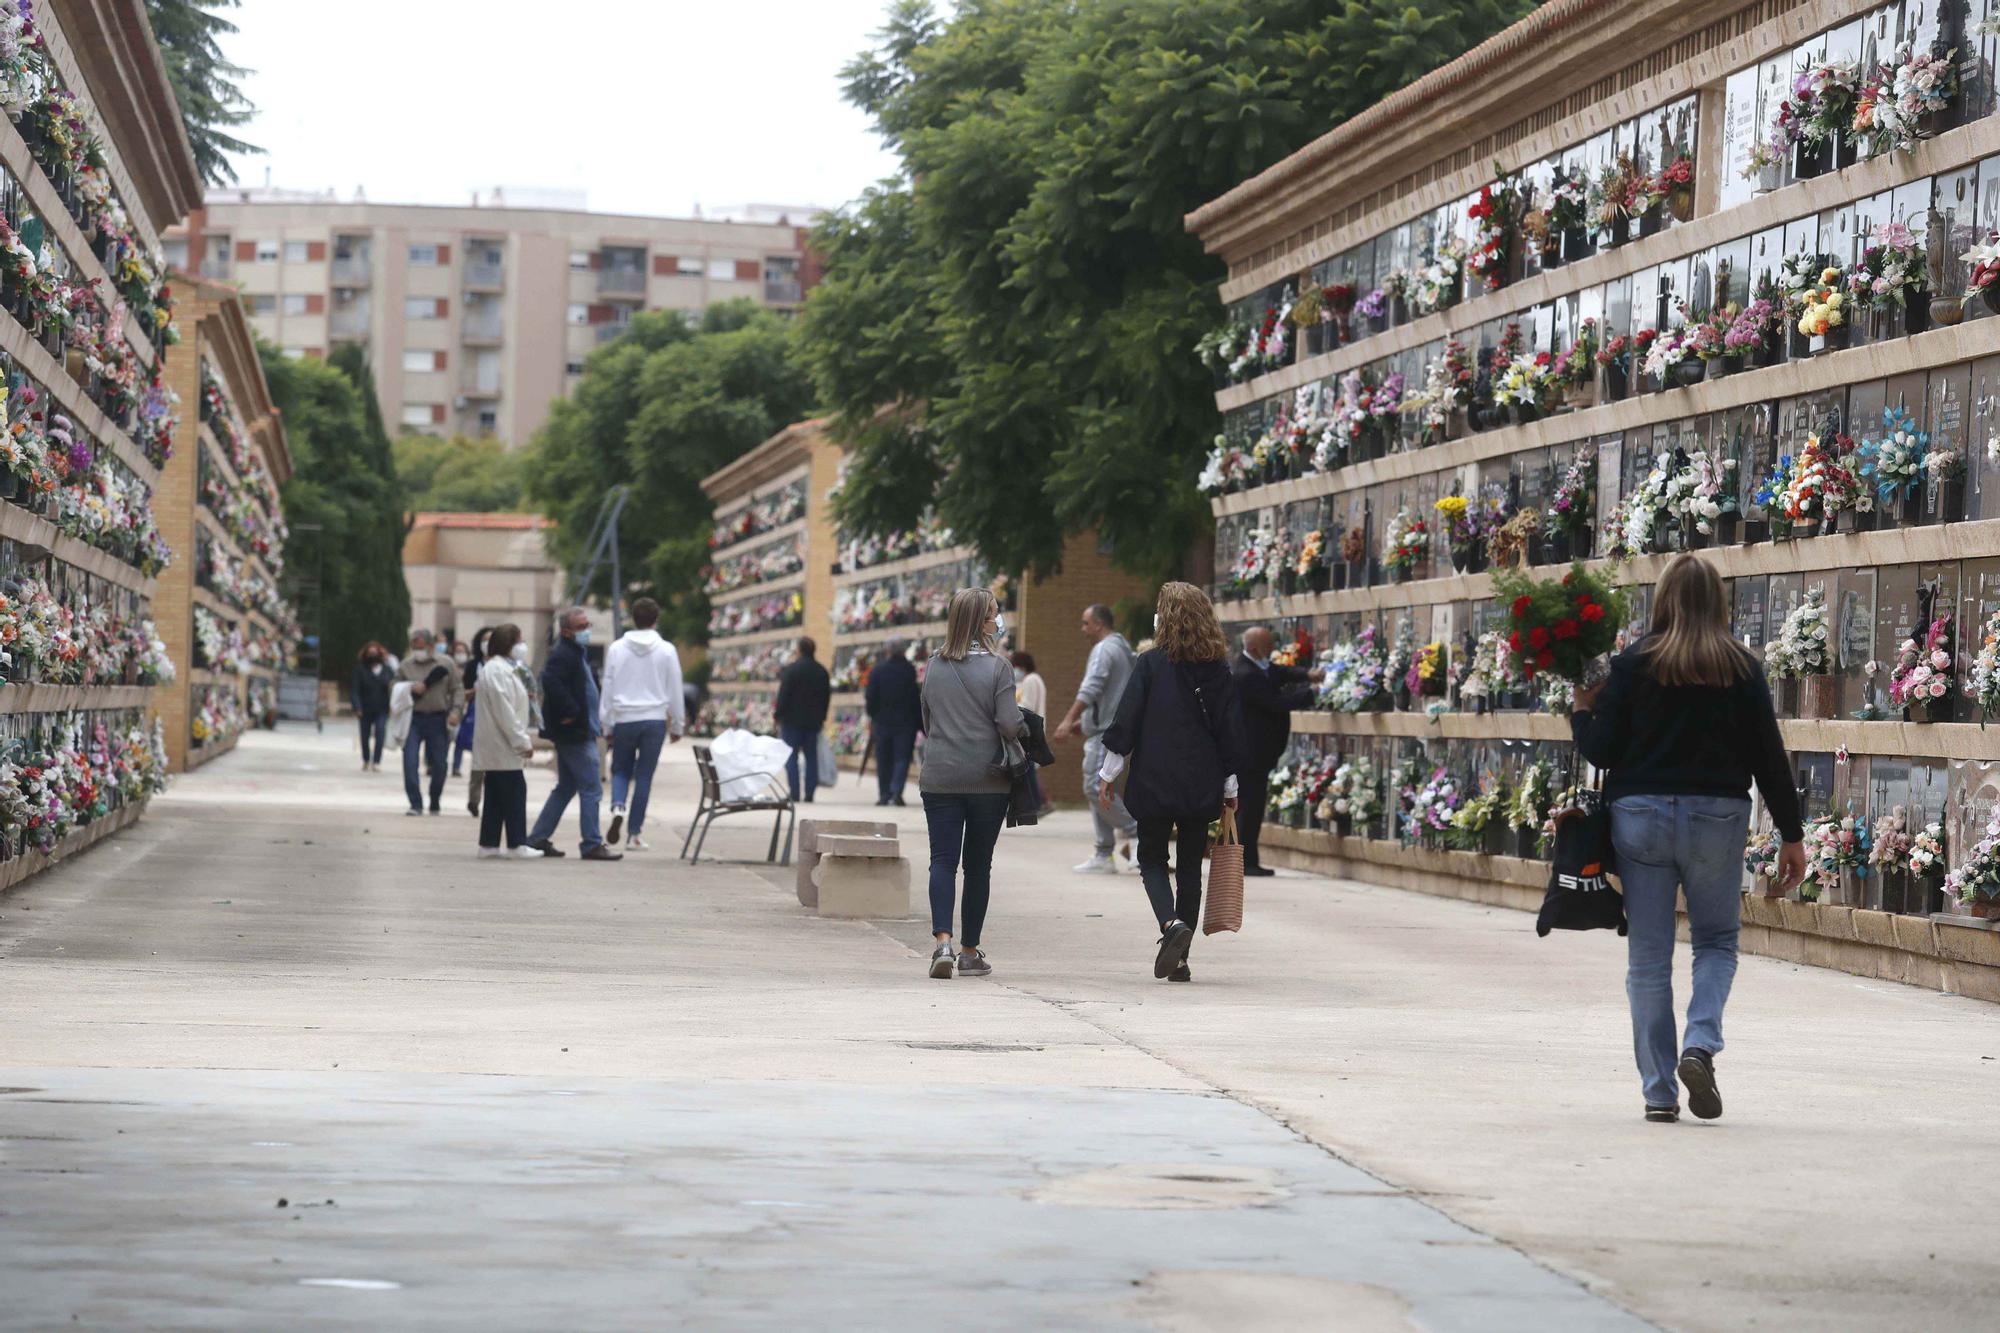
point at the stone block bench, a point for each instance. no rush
(861, 875)
(812, 830)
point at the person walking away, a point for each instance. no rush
(1267, 693)
(570, 722)
(805, 692)
(969, 714)
(895, 708)
(437, 698)
(1031, 692)
(468, 660)
(1104, 677)
(1179, 730)
(501, 745)
(642, 711)
(1681, 728)
(369, 693)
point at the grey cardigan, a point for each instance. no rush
(969, 710)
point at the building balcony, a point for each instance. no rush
(217, 269)
(350, 271)
(630, 282)
(484, 277)
(783, 291)
(349, 323)
(480, 330)
(474, 387)
(610, 332)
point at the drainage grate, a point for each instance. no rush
(983, 1047)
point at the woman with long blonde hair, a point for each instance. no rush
(1178, 729)
(969, 716)
(1681, 728)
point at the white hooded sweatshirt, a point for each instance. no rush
(642, 683)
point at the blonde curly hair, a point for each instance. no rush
(1187, 630)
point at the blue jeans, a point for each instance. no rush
(1695, 844)
(430, 736)
(576, 775)
(964, 828)
(635, 753)
(893, 749)
(803, 742)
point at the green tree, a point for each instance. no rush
(342, 503)
(657, 410)
(464, 474)
(1028, 282)
(204, 83)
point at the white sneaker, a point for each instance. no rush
(1097, 865)
(1125, 861)
(526, 853)
(490, 853)
(635, 843)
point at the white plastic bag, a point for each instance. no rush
(743, 761)
(401, 702)
(829, 763)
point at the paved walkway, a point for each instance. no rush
(534, 1095)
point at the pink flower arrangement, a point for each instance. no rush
(1923, 672)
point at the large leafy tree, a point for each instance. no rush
(462, 474)
(342, 502)
(659, 409)
(204, 82)
(1025, 295)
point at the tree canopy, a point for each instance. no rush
(659, 409)
(342, 503)
(1028, 282)
(463, 474)
(204, 83)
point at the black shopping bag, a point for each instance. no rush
(1580, 894)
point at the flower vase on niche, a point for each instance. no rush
(1525, 843)
(1819, 697)
(1494, 841)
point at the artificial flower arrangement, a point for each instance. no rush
(1354, 546)
(1894, 461)
(1832, 846)
(1353, 679)
(1823, 306)
(1559, 626)
(1407, 540)
(1636, 521)
(1890, 842)
(1490, 669)
(1801, 647)
(1509, 543)
(1426, 678)
(1891, 271)
(1760, 855)
(1222, 472)
(1312, 554)
(1922, 675)
(1533, 795)
(1570, 508)
(1611, 198)
(1298, 652)
(1975, 880)
(1354, 796)
(1982, 683)
(1890, 108)
(1492, 217)
(1470, 822)
(1983, 278)
(1696, 489)
(1402, 652)
(1435, 283)
(1751, 332)
(1568, 798)
(1819, 487)
(1431, 807)
(1927, 856)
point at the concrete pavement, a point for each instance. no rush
(557, 1094)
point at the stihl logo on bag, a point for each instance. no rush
(1591, 881)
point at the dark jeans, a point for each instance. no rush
(635, 753)
(506, 807)
(803, 742)
(430, 736)
(576, 775)
(964, 827)
(1250, 815)
(374, 727)
(1190, 840)
(893, 749)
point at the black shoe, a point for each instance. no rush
(1174, 943)
(547, 848)
(436, 811)
(602, 853)
(883, 801)
(1181, 973)
(1697, 1073)
(617, 828)
(899, 801)
(1663, 1115)
(1258, 872)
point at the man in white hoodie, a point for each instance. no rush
(640, 708)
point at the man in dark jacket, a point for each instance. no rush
(895, 716)
(569, 719)
(1267, 693)
(805, 692)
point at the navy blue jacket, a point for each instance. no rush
(895, 703)
(566, 693)
(1181, 729)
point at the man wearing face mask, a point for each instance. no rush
(1267, 693)
(1104, 677)
(437, 698)
(570, 721)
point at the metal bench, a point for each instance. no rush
(775, 798)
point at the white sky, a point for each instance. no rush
(649, 106)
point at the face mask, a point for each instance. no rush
(458, 658)
(999, 624)
(583, 637)
(520, 653)
(1019, 675)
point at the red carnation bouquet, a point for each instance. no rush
(1560, 626)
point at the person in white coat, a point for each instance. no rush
(640, 707)
(501, 744)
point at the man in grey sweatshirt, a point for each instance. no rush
(1104, 677)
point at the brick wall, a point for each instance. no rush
(174, 509)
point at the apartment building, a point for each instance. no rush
(476, 318)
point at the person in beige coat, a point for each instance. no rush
(501, 745)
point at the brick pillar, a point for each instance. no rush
(174, 502)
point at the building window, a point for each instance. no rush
(416, 414)
(295, 303)
(295, 354)
(574, 367)
(175, 252)
(267, 252)
(579, 261)
(263, 305)
(489, 421)
(722, 270)
(297, 252)
(424, 256)
(420, 307)
(688, 268)
(419, 363)
(218, 250)
(579, 313)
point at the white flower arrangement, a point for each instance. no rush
(1977, 876)
(1982, 683)
(1892, 841)
(1927, 855)
(1354, 793)
(1532, 795)
(1801, 647)
(1491, 669)
(1694, 493)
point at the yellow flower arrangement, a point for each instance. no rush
(1451, 506)
(1312, 552)
(1823, 308)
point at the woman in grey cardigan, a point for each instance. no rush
(969, 715)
